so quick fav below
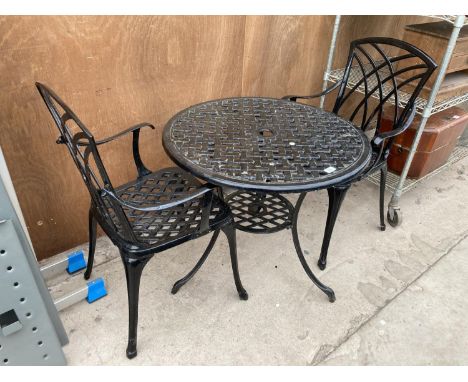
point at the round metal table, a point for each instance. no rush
(264, 147)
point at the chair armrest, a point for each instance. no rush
(141, 168)
(124, 132)
(162, 206)
(379, 138)
(325, 92)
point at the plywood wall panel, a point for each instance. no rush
(285, 54)
(116, 71)
(355, 27)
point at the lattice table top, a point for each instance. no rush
(266, 144)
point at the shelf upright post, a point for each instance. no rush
(394, 214)
(331, 53)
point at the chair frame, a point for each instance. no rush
(108, 209)
(387, 88)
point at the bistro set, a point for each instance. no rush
(250, 152)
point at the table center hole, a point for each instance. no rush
(267, 133)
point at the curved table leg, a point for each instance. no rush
(336, 196)
(327, 290)
(180, 283)
(230, 233)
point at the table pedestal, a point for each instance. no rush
(259, 212)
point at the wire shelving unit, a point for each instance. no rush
(424, 107)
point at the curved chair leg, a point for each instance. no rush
(336, 196)
(230, 233)
(327, 290)
(178, 284)
(92, 244)
(383, 180)
(133, 270)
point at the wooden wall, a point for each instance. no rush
(116, 71)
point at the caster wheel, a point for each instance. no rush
(394, 220)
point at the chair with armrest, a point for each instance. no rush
(379, 70)
(154, 212)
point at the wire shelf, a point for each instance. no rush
(458, 154)
(356, 75)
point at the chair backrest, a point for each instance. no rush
(382, 71)
(83, 149)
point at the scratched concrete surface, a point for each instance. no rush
(400, 293)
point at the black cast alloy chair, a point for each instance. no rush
(379, 70)
(156, 211)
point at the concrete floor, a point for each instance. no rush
(401, 294)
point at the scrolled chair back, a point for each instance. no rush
(84, 152)
(382, 71)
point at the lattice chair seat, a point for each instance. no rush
(172, 224)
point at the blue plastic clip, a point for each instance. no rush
(76, 262)
(96, 290)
